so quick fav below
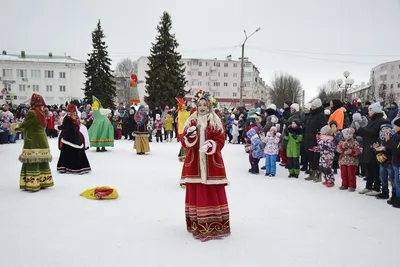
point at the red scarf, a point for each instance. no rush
(41, 116)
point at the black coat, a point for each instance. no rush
(392, 146)
(370, 135)
(316, 120)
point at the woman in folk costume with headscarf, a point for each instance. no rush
(35, 172)
(72, 145)
(203, 172)
(101, 132)
(140, 133)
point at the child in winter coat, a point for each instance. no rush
(158, 125)
(326, 147)
(294, 138)
(119, 128)
(271, 151)
(348, 160)
(384, 157)
(256, 152)
(235, 131)
(169, 122)
(393, 145)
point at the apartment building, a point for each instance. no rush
(220, 77)
(58, 79)
(386, 76)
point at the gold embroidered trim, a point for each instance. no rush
(40, 155)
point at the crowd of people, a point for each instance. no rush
(318, 139)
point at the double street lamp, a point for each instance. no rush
(347, 83)
(242, 65)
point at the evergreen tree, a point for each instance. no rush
(99, 80)
(166, 75)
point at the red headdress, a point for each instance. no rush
(39, 106)
(37, 101)
(73, 113)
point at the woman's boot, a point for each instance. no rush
(318, 177)
(312, 176)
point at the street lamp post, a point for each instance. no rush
(347, 83)
(242, 65)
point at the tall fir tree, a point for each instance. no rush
(166, 75)
(99, 80)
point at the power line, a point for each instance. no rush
(325, 53)
(315, 58)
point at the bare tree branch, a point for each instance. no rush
(285, 87)
(125, 68)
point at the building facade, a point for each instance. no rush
(385, 80)
(220, 77)
(57, 79)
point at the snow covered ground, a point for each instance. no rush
(275, 221)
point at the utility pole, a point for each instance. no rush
(242, 66)
(242, 77)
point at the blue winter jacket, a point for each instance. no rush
(256, 148)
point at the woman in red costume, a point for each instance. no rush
(206, 205)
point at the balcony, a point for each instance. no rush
(213, 77)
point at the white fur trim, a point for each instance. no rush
(202, 121)
(71, 144)
(190, 144)
(213, 148)
(199, 180)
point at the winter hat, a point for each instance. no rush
(272, 106)
(376, 108)
(307, 106)
(273, 128)
(316, 103)
(325, 130)
(297, 122)
(232, 116)
(295, 106)
(357, 117)
(158, 117)
(348, 131)
(396, 121)
(288, 102)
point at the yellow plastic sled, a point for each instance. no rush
(100, 192)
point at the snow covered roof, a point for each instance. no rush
(40, 58)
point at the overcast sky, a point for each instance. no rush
(304, 38)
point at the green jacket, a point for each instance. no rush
(36, 147)
(293, 146)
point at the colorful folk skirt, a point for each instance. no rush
(35, 176)
(141, 144)
(73, 161)
(207, 211)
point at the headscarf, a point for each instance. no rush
(39, 107)
(140, 116)
(73, 113)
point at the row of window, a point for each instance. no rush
(218, 94)
(391, 86)
(199, 83)
(215, 64)
(35, 88)
(23, 73)
(200, 73)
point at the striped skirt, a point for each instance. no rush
(207, 211)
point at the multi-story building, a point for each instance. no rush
(57, 79)
(220, 77)
(385, 80)
(363, 92)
